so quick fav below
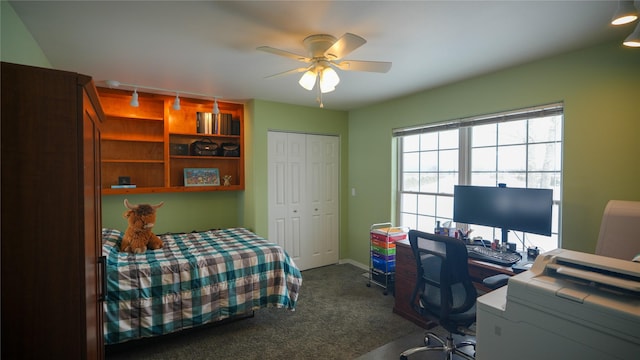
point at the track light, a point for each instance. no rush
(134, 99)
(633, 40)
(628, 12)
(625, 14)
(216, 109)
(176, 103)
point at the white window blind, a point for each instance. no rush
(522, 114)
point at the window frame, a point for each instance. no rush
(465, 149)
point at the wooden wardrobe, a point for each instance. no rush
(51, 215)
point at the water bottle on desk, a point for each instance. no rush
(439, 230)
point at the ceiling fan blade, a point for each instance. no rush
(292, 71)
(359, 65)
(343, 46)
(284, 53)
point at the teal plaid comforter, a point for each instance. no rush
(196, 278)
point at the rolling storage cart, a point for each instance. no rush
(382, 264)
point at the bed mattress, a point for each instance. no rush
(196, 278)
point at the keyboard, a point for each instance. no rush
(479, 252)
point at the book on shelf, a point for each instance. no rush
(205, 123)
(225, 124)
(222, 124)
(235, 127)
(124, 186)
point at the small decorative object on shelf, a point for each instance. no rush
(201, 177)
(124, 180)
(124, 186)
(227, 180)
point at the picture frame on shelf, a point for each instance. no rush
(201, 177)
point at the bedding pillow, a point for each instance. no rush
(111, 238)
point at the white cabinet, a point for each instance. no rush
(304, 197)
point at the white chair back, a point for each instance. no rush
(620, 230)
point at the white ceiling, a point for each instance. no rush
(210, 47)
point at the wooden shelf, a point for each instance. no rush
(109, 137)
(198, 135)
(189, 157)
(132, 161)
(136, 143)
(134, 117)
(146, 190)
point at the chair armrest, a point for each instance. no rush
(496, 281)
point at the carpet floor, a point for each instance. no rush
(337, 317)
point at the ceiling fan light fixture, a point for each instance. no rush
(324, 54)
(625, 14)
(325, 89)
(308, 80)
(328, 79)
(633, 40)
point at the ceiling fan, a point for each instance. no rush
(324, 53)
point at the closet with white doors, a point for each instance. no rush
(303, 196)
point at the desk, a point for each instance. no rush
(406, 274)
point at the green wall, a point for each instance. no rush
(600, 90)
(16, 43)
(181, 212)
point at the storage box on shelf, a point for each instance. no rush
(150, 143)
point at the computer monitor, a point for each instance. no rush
(522, 209)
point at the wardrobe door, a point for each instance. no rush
(50, 209)
(92, 212)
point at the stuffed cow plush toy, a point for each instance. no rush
(139, 236)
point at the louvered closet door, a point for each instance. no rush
(287, 160)
(322, 193)
(303, 197)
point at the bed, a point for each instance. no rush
(196, 278)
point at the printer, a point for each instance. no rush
(569, 305)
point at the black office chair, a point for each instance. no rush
(445, 291)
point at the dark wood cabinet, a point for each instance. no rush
(480, 270)
(51, 219)
(406, 275)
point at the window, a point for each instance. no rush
(520, 149)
